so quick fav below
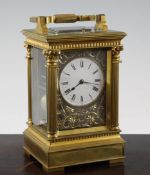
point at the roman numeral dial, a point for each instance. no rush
(81, 81)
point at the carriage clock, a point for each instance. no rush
(73, 76)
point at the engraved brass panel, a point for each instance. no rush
(71, 117)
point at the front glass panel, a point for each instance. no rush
(82, 89)
(38, 83)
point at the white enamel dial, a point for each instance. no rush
(81, 81)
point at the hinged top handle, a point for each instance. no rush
(42, 21)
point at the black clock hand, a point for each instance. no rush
(80, 82)
(73, 88)
(90, 83)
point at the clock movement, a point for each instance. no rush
(73, 77)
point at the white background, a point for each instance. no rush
(126, 15)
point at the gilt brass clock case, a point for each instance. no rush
(60, 134)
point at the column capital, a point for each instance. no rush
(52, 57)
(115, 54)
(28, 48)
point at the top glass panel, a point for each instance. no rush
(79, 29)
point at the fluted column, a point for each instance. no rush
(52, 65)
(28, 57)
(115, 86)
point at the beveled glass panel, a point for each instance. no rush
(38, 79)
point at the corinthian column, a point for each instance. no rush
(115, 86)
(52, 65)
(28, 57)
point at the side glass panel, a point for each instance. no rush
(38, 83)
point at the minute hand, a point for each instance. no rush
(85, 82)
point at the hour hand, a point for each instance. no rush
(73, 88)
(68, 91)
(80, 82)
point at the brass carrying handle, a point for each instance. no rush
(42, 21)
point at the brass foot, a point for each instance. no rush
(116, 162)
(27, 154)
(54, 170)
